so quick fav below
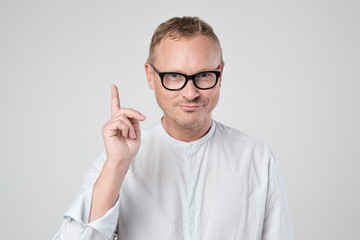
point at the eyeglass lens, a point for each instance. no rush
(177, 81)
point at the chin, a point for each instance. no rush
(191, 123)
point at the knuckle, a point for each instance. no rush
(105, 126)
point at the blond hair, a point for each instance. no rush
(177, 27)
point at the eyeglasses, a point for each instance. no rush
(174, 81)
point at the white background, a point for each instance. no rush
(291, 79)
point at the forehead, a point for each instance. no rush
(187, 54)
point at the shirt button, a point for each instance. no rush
(189, 145)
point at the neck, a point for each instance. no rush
(186, 133)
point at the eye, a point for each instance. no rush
(174, 75)
(204, 75)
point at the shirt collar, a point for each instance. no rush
(182, 144)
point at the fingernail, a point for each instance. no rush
(133, 133)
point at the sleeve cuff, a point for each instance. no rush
(80, 211)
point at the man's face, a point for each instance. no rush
(188, 108)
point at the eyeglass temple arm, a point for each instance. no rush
(154, 68)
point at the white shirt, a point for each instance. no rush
(223, 186)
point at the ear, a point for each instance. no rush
(149, 75)
(221, 73)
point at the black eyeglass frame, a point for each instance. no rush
(187, 78)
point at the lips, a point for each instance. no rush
(190, 107)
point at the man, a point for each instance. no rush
(189, 177)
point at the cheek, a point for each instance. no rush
(163, 99)
(214, 98)
(159, 99)
(214, 102)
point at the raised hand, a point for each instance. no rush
(122, 141)
(122, 133)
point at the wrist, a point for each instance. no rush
(118, 167)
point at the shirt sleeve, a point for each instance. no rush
(75, 223)
(276, 223)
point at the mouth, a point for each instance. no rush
(190, 107)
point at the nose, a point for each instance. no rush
(190, 92)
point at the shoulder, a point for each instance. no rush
(235, 138)
(226, 131)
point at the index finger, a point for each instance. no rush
(115, 101)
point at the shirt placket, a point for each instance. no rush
(190, 157)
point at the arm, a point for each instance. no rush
(122, 141)
(75, 224)
(94, 213)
